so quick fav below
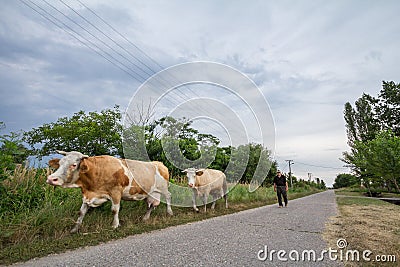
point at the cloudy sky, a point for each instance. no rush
(308, 58)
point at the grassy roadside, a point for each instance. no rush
(366, 224)
(39, 225)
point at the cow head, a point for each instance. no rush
(191, 174)
(68, 169)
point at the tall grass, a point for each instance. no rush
(35, 218)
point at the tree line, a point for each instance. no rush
(102, 133)
(373, 133)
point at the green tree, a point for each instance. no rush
(95, 133)
(388, 106)
(345, 180)
(381, 157)
(361, 125)
(12, 151)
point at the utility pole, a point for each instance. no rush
(290, 161)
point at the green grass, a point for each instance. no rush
(356, 200)
(355, 196)
(35, 219)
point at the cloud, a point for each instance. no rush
(308, 58)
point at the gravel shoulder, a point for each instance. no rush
(238, 239)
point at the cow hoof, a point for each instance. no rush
(170, 213)
(74, 230)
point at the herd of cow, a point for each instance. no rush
(103, 178)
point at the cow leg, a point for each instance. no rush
(150, 208)
(82, 213)
(205, 197)
(168, 199)
(194, 195)
(115, 210)
(213, 204)
(224, 195)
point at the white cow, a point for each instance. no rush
(205, 182)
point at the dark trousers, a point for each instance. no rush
(281, 191)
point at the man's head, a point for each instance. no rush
(278, 173)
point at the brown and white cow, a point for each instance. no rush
(205, 182)
(103, 178)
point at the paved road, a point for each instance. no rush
(231, 240)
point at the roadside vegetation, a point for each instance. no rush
(364, 220)
(373, 134)
(366, 223)
(36, 218)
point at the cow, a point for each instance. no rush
(103, 178)
(205, 182)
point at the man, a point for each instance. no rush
(281, 188)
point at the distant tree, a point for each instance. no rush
(322, 185)
(95, 133)
(248, 162)
(176, 143)
(12, 151)
(345, 180)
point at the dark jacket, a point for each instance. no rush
(280, 181)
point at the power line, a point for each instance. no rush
(318, 166)
(50, 18)
(108, 56)
(126, 39)
(111, 39)
(184, 97)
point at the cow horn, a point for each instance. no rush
(62, 152)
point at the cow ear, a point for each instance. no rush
(83, 166)
(199, 173)
(62, 152)
(54, 163)
(185, 171)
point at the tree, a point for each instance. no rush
(12, 151)
(345, 180)
(388, 107)
(367, 119)
(381, 157)
(95, 133)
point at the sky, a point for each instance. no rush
(306, 58)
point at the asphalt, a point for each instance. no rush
(247, 238)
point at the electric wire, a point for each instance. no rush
(106, 55)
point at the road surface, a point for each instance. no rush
(246, 238)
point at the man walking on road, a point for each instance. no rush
(281, 188)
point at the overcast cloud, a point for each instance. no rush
(307, 57)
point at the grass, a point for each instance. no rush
(35, 219)
(366, 224)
